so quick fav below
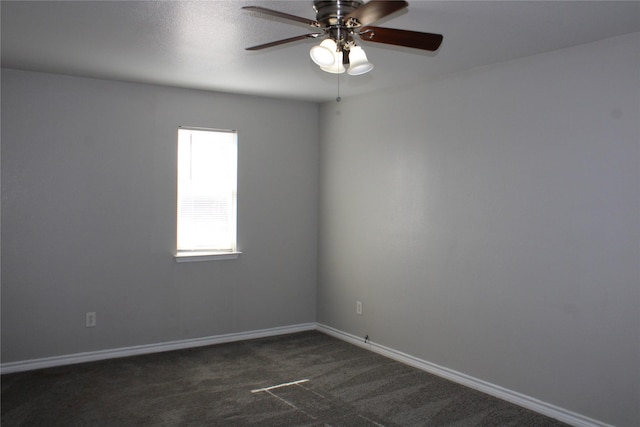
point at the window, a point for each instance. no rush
(207, 186)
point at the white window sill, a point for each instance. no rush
(205, 256)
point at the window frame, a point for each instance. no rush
(191, 255)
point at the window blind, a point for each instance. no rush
(207, 186)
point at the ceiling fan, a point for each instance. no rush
(339, 21)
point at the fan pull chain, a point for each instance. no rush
(338, 99)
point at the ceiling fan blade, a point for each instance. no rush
(282, 15)
(283, 41)
(375, 10)
(414, 39)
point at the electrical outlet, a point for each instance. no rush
(359, 307)
(90, 319)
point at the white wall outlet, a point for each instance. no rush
(90, 319)
(359, 307)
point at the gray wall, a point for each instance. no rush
(88, 216)
(489, 222)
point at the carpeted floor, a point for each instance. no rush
(304, 379)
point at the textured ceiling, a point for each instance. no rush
(200, 44)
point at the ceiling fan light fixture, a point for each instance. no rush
(339, 21)
(324, 54)
(359, 62)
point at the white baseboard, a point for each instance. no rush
(91, 356)
(514, 397)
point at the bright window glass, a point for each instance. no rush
(207, 190)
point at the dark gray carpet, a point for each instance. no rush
(229, 384)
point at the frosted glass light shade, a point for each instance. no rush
(359, 63)
(337, 67)
(324, 54)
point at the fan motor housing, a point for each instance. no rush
(331, 12)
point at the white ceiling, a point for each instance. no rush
(200, 44)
